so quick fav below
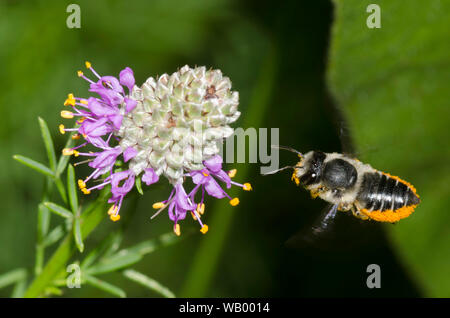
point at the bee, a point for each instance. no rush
(350, 185)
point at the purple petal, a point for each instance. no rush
(214, 189)
(112, 82)
(129, 153)
(214, 164)
(116, 120)
(126, 77)
(150, 176)
(130, 104)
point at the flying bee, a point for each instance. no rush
(350, 185)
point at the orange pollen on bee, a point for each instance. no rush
(295, 178)
(390, 216)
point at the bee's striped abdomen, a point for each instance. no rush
(386, 198)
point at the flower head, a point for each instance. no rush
(169, 126)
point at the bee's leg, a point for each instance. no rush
(358, 214)
(318, 191)
(344, 207)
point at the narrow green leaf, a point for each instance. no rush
(118, 261)
(139, 186)
(148, 282)
(107, 287)
(77, 235)
(72, 189)
(149, 246)
(12, 277)
(19, 288)
(109, 245)
(48, 144)
(39, 167)
(59, 210)
(61, 189)
(63, 160)
(43, 221)
(53, 236)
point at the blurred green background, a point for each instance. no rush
(312, 69)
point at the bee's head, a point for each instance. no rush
(309, 169)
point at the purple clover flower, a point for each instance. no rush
(139, 125)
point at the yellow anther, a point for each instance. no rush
(80, 73)
(112, 210)
(76, 136)
(201, 208)
(88, 64)
(176, 229)
(81, 184)
(247, 187)
(67, 152)
(66, 114)
(76, 153)
(234, 201)
(232, 173)
(85, 191)
(295, 178)
(114, 217)
(79, 121)
(193, 216)
(70, 100)
(61, 129)
(204, 229)
(84, 101)
(205, 174)
(158, 205)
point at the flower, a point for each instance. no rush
(169, 126)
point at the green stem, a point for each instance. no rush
(66, 249)
(207, 256)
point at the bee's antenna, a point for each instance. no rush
(275, 171)
(288, 149)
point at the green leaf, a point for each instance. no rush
(72, 189)
(149, 246)
(107, 287)
(55, 235)
(39, 167)
(61, 211)
(64, 160)
(61, 189)
(109, 245)
(43, 221)
(48, 142)
(113, 263)
(139, 186)
(392, 85)
(77, 235)
(12, 277)
(148, 282)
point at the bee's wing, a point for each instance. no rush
(318, 232)
(334, 230)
